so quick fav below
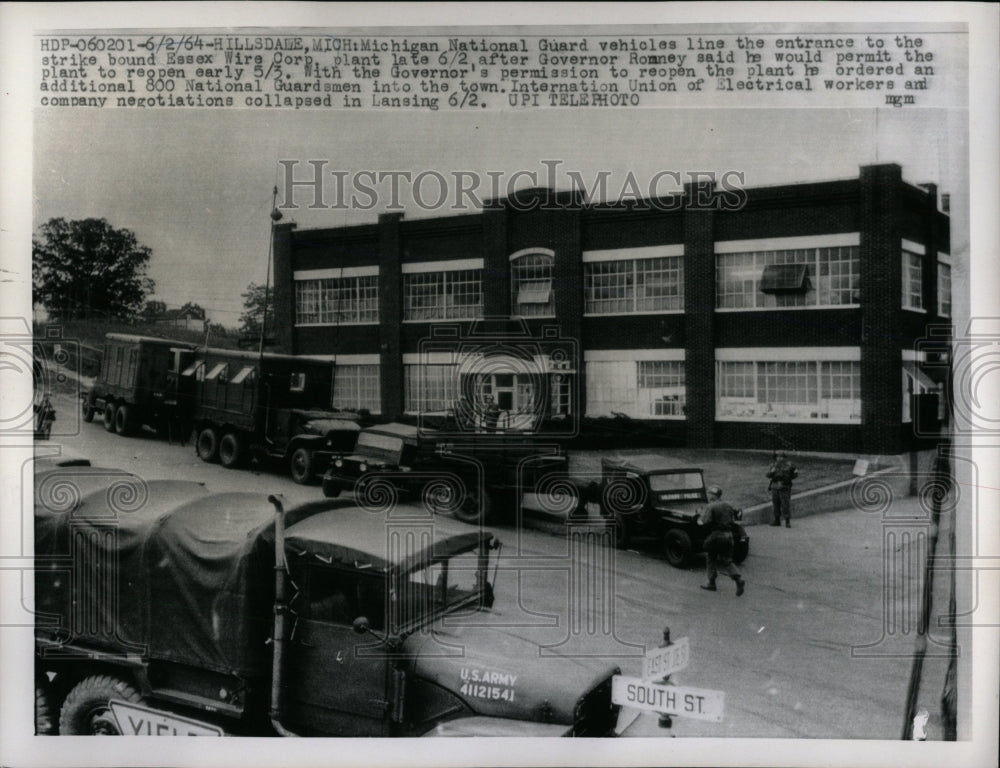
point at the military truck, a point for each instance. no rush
(241, 405)
(139, 385)
(192, 612)
(267, 405)
(473, 479)
(651, 499)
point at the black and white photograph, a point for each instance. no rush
(614, 384)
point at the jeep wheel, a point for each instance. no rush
(677, 548)
(109, 417)
(231, 450)
(88, 410)
(86, 711)
(740, 550)
(477, 507)
(208, 445)
(331, 490)
(301, 466)
(623, 531)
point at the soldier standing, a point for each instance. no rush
(781, 475)
(719, 543)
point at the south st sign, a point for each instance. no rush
(696, 703)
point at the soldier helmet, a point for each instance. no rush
(714, 490)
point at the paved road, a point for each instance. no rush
(781, 653)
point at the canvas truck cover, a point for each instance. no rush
(166, 571)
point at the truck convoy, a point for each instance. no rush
(166, 609)
(241, 405)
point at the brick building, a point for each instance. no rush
(790, 320)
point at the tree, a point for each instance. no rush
(154, 309)
(253, 310)
(87, 268)
(196, 311)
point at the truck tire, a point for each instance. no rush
(88, 409)
(123, 420)
(86, 712)
(331, 490)
(301, 466)
(46, 711)
(232, 450)
(677, 548)
(207, 445)
(109, 417)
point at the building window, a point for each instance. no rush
(337, 301)
(449, 295)
(913, 281)
(431, 388)
(827, 277)
(633, 286)
(531, 292)
(639, 389)
(789, 390)
(944, 289)
(562, 395)
(356, 387)
(661, 387)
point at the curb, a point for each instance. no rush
(829, 498)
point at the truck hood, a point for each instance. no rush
(499, 672)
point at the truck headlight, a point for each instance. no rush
(338, 463)
(363, 467)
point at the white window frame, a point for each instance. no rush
(944, 278)
(534, 285)
(465, 272)
(325, 289)
(912, 263)
(614, 378)
(818, 372)
(445, 375)
(814, 251)
(364, 394)
(633, 264)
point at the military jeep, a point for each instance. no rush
(474, 480)
(651, 500)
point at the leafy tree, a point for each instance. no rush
(86, 268)
(195, 310)
(154, 309)
(253, 310)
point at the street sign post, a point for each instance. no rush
(660, 662)
(696, 703)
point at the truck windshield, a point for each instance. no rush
(685, 483)
(440, 586)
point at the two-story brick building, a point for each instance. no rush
(791, 319)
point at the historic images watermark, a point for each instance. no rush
(324, 188)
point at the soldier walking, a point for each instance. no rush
(719, 543)
(781, 475)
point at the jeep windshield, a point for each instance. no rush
(441, 586)
(678, 485)
(376, 445)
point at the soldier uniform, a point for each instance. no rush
(781, 474)
(719, 543)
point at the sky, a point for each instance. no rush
(196, 185)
